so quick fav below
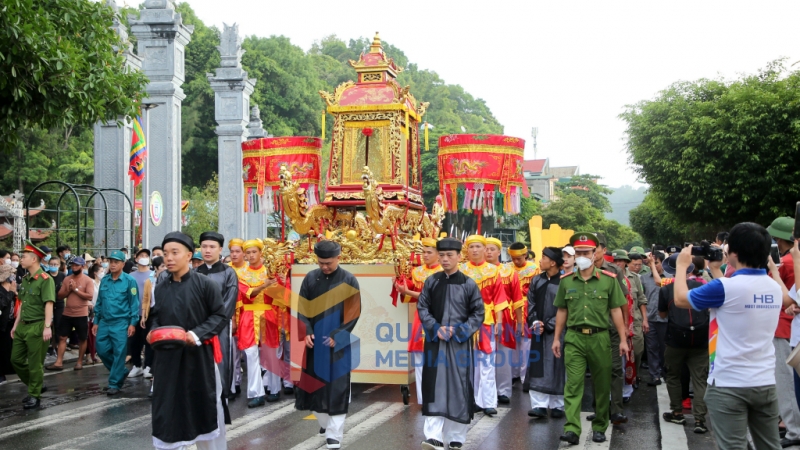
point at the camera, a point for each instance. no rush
(707, 252)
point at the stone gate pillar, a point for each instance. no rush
(112, 145)
(256, 222)
(232, 91)
(162, 39)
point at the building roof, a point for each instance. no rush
(535, 166)
(564, 172)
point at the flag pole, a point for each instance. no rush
(146, 107)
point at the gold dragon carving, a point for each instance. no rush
(295, 205)
(277, 256)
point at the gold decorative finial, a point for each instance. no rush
(376, 44)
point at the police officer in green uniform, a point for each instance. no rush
(31, 331)
(640, 251)
(584, 300)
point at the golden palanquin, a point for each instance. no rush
(376, 125)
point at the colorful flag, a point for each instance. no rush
(138, 153)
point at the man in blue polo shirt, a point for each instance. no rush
(744, 314)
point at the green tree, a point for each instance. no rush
(575, 212)
(586, 186)
(657, 225)
(202, 213)
(58, 67)
(718, 152)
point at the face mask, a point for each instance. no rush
(104, 265)
(100, 273)
(67, 255)
(583, 262)
(47, 258)
(144, 261)
(85, 272)
(8, 261)
(15, 264)
(53, 269)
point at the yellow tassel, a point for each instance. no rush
(408, 125)
(323, 126)
(426, 137)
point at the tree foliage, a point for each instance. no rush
(587, 186)
(657, 225)
(576, 212)
(201, 215)
(718, 152)
(59, 68)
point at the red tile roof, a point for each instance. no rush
(533, 165)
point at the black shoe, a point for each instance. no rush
(700, 428)
(636, 384)
(322, 431)
(44, 389)
(32, 403)
(332, 443)
(591, 417)
(676, 418)
(255, 402)
(150, 394)
(656, 382)
(515, 380)
(503, 399)
(537, 413)
(626, 399)
(525, 388)
(288, 391)
(238, 390)
(557, 413)
(784, 442)
(231, 397)
(598, 436)
(570, 437)
(26, 399)
(618, 418)
(456, 445)
(490, 412)
(432, 444)
(112, 391)
(644, 365)
(3, 379)
(273, 398)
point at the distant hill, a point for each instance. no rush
(624, 199)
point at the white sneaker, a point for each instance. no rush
(135, 372)
(146, 373)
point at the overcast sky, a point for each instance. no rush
(566, 67)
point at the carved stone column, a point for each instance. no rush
(162, 39)
(232, 90)
(112, 145)
(256, 222)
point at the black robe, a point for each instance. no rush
(546, 373)
(184, 393)
(226, 277)
(329, 310)
(448, 371)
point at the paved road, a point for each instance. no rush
(77, 415)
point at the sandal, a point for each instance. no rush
(77, 367)
(54, 368)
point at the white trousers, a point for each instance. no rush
(418, 361)
(541, 400)
(445, 430)
(255, 385)
(284, 354)
(334, 425)
(504, 358)
(524, 349)
(271, 382)
(212, 441)
(484, 382)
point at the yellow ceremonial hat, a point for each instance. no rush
(514, 252)
(429, 242)
(253, 243)
(476, 239)
(235, 242)
(496, 242)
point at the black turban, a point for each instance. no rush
(212, 236)
(327, 249)
(181, 238)
(555, 254)
(448, 244)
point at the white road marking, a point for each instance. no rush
(483, 427)
(586, 437)
(253, 421)
(360, 423)
(673, 436)
(373, 389)
(112, 433)
(69, 415)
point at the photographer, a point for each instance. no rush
(744, 310)
(656, 337)
(686, 343)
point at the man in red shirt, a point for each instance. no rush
(781, 230)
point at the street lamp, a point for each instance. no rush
(146, 107)
(534, 132)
